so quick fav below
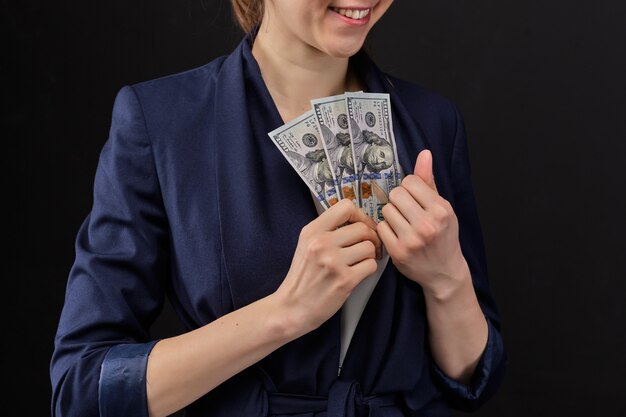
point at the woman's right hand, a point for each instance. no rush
(335, 252)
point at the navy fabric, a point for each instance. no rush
(123, 370)
(470, 396)
(192, 200)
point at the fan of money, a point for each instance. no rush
(344, 148)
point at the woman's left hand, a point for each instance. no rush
(421, 233)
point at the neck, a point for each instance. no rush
(296, 73)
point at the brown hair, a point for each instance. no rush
(248, 13)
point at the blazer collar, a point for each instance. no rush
(409, 136)
(262, 202)
(263, 205)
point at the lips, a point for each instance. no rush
(354, 14)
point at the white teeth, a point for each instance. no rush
(352, 14)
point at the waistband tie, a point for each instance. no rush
(344, 400)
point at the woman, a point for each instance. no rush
(192, 200)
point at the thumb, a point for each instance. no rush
(424, 168)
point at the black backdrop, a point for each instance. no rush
(542, 90)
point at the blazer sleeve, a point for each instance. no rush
(115, 288)
(491, 367)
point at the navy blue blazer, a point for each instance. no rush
(194, 202)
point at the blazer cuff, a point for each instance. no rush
(122, 388)
(470, 396)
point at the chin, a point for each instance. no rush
(344, 49)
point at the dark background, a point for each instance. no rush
(542, 89)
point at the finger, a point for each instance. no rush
(357, 232)
(396, 221)
(420, 191)
(363, 269)
(357, 253)
(345, 211)
(387, 236)
(406, 204)
(424, 168)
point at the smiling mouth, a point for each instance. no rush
(352, 13)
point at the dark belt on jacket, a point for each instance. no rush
(344, 400)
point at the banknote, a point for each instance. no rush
(374, 150)
(300, 142)
(332, 118)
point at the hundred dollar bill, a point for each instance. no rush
(374, 147)
(300, 142)
(332, 118)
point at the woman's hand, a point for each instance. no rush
(331, 258)
(421, 233)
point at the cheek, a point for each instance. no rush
(380, 10)
(293, 14)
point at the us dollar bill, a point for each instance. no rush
(374, 150)
(301, 144)
(332, 117)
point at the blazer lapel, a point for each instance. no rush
(262, 203)
(409, 135)
(410, 138)
(394, 296)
